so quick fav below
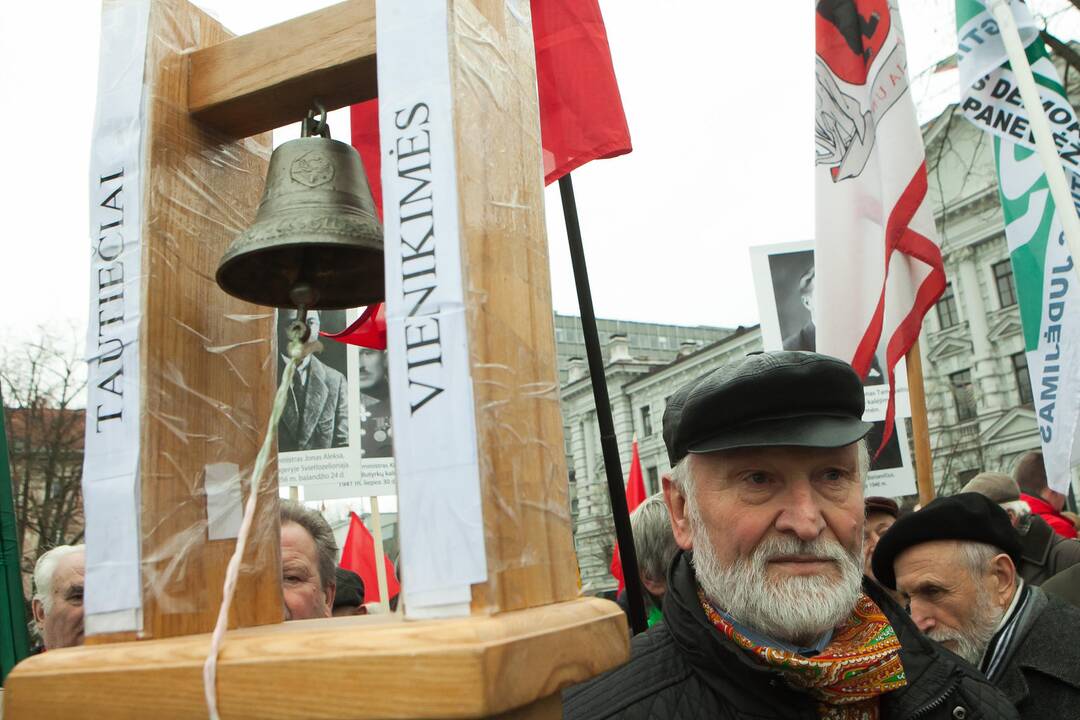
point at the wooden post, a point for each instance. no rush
(206, 371)
(924, 470)
(380, 553)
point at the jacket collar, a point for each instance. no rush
(1036, 540)
(1032, 648)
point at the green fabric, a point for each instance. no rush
(14, 639)
(655, 616)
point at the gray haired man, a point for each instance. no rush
(308, 558)
(58, 596)
(766, 614)
(656, 548)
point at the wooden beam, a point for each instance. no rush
(350, 668)
(268, 78)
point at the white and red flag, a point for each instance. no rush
(877, 257)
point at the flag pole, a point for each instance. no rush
(920, 427)
(380, 555)
(1040, 127)
(608, 442)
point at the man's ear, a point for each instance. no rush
(656, 587)
(331, 593)
(39, 612)
(676, 504)
(1002, 579)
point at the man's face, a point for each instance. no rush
(876, 525)
(63, 625)
(1056, 499)
(776, 534)
(305, 596)
(372, 368)
(808, 299)
(285, 321)
(946, 602)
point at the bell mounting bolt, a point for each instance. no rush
(310, 126)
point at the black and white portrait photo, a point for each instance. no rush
(374, 386)
(792, 275)
(316, 413)
(890, 457)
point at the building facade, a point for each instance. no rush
(979, 397)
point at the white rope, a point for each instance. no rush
(296, 351)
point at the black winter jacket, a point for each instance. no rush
(684, 668)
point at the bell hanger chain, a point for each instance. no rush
(310, 126)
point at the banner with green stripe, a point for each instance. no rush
(1042, 267)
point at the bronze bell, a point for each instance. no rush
(316, 241)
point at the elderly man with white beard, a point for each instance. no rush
(767, 614)
(954, 563)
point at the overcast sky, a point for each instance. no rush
(718, 96)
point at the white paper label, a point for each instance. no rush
(111, 465)
(442, 529)
(224, 501)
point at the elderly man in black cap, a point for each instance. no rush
(766, 613)
(954, 562)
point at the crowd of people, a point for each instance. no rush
(312, 584)
(774, 588)
(787, 594)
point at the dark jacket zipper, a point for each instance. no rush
(938, 702)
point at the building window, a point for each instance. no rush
(1023, 379)
(963, 394)
(646, 421)
(1003, 279)
(946, 308)
(652, 480)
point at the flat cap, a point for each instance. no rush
(350, 589)
(966, 516)
(883, 505)
(767, 399)
(999, 487)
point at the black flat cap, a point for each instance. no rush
(350, 589)
(966, 516)
(767, 399)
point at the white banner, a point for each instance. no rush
(442, 529)
(111, 464)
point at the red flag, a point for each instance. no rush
(359, 556)
(581, 112)
(635, 495)
(878, 265)
(368, 331)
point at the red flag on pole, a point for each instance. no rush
(581, 112)
(368, 331)
(358, 555)
(635, 495)
(878, 266)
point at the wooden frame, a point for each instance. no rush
(528, 636)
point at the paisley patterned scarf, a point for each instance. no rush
(860, 663)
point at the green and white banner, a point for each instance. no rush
(1042, 265)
